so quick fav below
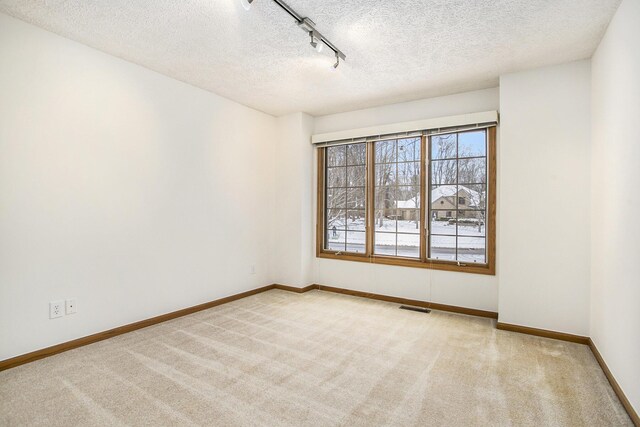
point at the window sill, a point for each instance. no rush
(485, 269)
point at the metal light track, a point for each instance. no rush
(309, 26)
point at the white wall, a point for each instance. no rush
(461, 289)
(133, 192)
(451, 105)
(293, 249)
(543, 164)
(615, 317)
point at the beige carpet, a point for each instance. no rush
(318, 358)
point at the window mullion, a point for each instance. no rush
(370, 198)
(457, 191)
(424, 205)
(429, 183)
(320, 207)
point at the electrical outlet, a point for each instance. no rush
(56, 309)
(71, 306)
(252, 269)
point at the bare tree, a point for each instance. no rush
(346, 179)
(409, 174)
(444, 171)
(385, 156)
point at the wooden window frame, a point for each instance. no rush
(489, 268)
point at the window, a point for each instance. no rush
(371, 201)
(397, 197)
(345, 198)
(459, 172)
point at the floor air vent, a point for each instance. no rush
(418, 309)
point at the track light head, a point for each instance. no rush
(316, 42)
(246, 4)
(337, 61)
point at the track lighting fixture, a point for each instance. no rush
(318, 41)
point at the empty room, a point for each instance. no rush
(319, 213)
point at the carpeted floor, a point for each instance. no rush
(317, 358)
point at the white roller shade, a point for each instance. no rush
(408, 129)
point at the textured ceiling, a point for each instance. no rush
(397, 50)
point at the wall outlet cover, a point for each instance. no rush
(71, 306)
(56, 309)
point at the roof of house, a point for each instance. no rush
(449, 190)
(412, 203)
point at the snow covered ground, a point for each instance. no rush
(404, 237)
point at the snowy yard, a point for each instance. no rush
(403, 237)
